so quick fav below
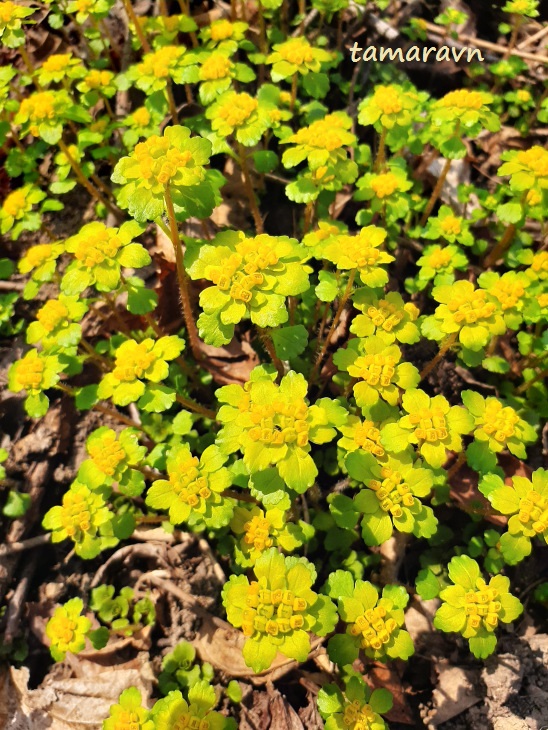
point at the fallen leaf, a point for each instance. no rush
(453, 695)
(383, 676)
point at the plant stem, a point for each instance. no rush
(446, 345)
(334, 323)
(191, 405)
(380, 158)
(266, 339)
(133, 18)
(241, 497)
(459, 461)
(172, 105)
(436, 192)
(242, 159)
(501, 247)
(293, 92)
(104, 410)
(308, 216)
(183, 277)
(539, 376)
(84, 181)
(30, 66)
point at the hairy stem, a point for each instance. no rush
(183, 277)
(191, 405)
(445, 346)
(242, 159)
(133, 18)
(85, 182)
(266, 339)
(436, 192)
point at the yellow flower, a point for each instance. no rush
(358, 434)
(39, 106)
(15, 203)
(539, 266)
(217, 66)
(100, 245)
(384, 185)
(361, 252)
(238, 110)
(388, 107)
(297, 51)
(57, 62)
(52, 314)
(141, 117)
(528, 170)
(464, 99)
(160, 63)
(523, 95)
(451, 225)
(439, 258)
(106, 453)
(221, 30)
(97, 79)
(67, 629)
(296, 56)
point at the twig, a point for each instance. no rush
(21, 546)
(17, 601)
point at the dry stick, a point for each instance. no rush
(135, 20)
(183, 277)
(22, 545)
(338, 314)
(532, 38)
(472, 40)
(242, 159)
(445, 346)
(436, 192)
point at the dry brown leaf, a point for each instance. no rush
(388, 677)
(270, 710)
(232, 363)
(454, 694)
(68, 704)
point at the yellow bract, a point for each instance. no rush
(367, 437)
(39, 106)
(141, 117)
(374, 369)
(52, 314)
(440, 258)
(272, 612)
(8, 11)
(75, 513)
(237, 110)
(357, 716)
(535, 160)
(325, 134)
(97, 247)
(392, 492)
(97, 79)
(106, 453)
(373, 629)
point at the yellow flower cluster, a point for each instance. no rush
(102, 244)
(217, 66)
(392, 492)
(384, 185)
(134, 361)
(241, 272)
(533, 512)
(373, 629)
(439, 258)
(160, 63)
(238, 109)
(451, 225)
(387, 99)
(221, 30)
(482, 605)
(508, 293)
(471, 309)
(15, 203)
(357, 716)
(297, 51)
(463, 99)
(97, 79)
(30, 374)
(57, 62)
(257, 533)
(187, 483)
(534, 159)
(387, 315)
(159, 161)
(430, 424)
(499, 421)
(272, 612)
(374, 369)
(52, 314)
(106, 453)
(367, 437)
(328, 134)
(279, 422)
(75, 515)
(37, 108)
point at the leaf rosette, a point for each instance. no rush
(357, 708)
(374, 622)
(67, 629)
(111, 460)
(388, 317)
(361, 252)
(252, 278)
(278, 609)
(474, 608)
(273, 425)
(193, 491)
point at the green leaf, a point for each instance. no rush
(316, 85)
(340, 583)
(265, 161)
(86, 397)
(123, 525)
(99, 637)
(464, 571)
(327, 289)
(140, 299)
(510, 213)
(330, 700)
(290, 342)
(496, 365)
(157, 398)
(342, 650)
(427, 584)
(344, 511)
(17, 503)
(482, 646)
(234, 691)
(376, 528)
